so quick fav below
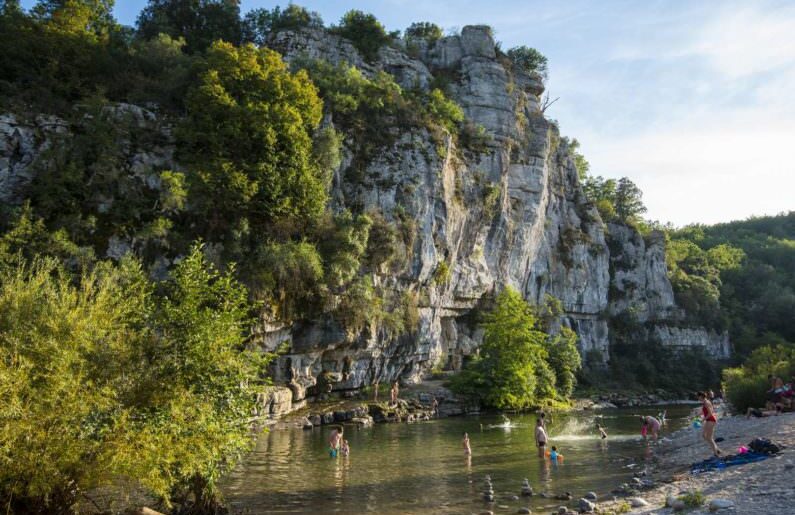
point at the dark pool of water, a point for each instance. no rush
(420, 468)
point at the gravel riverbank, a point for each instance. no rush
(755, 488)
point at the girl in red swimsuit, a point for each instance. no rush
(710, 421)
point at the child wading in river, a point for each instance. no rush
(465, 445)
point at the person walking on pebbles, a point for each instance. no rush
(541, 437)
(710, 421)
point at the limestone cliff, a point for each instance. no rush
(512, 213)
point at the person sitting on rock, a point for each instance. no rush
(774, 395)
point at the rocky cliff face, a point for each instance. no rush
(513, 214)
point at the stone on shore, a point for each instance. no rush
(524, 511)
(637, 502)
(591, 496)
(586, 506)
(720, 504)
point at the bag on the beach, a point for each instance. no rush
(764, 446)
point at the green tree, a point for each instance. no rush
(198, 22)
(65, 352)
(564, 358)
(258, 24)
(198, 391)
(529, 60)
(247, 140)
(430, 32)
(582, 164)
(364, 30)
(93, 17)
(602, 192)
(512, 349)
(628, 203)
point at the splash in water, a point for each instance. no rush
(506, 425)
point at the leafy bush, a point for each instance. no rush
(528, 60)
(746, 386)
(514, 369)
(259, 23)
(474, 138)
(430, 32)
(199, 23)
(442, 273)
(366, 33)
(247, 142)
(693, 499)
(444, 110)
(153, 387)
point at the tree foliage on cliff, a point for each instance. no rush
(529, 60)
(364, 30)
(198, 22)
(101, 378)
(519, 365)
(247, 140)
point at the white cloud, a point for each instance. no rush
(748, 40)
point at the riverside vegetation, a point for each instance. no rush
(129, 368)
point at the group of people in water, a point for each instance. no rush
(650, 427)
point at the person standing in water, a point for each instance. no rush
(375, 391)
(345, 449)
(710, 421)
(541, 437)
(334, 441)
(602, 432)
(465, 445)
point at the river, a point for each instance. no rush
(420, 468)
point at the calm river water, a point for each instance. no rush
(420, 468)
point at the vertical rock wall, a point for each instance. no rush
(513, 214)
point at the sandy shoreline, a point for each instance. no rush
(761, 488)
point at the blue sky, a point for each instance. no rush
(690, 99)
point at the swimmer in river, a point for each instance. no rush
(465, 445)
(554, 456)
(602, 432)
(334, 441)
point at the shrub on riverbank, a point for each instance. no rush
(102, 378)
(746, 386)
(519, 365)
